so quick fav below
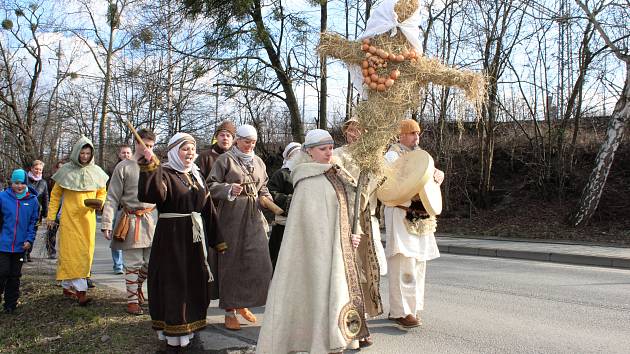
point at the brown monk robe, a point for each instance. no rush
(245, 268)
(178, 281)
(224, 136)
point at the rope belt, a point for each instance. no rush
(197, 234)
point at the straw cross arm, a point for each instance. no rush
(335, 46)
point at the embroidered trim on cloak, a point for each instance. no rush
(351, 319)
(179, 329)
(372, 270)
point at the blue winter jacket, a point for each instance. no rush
(17, 220)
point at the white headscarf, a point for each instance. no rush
(246, 131)
(175, 163)
(288, 153)
(317, 137)
(383, 18)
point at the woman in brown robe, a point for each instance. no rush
(237, 180)
(179, 276)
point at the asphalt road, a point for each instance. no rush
(484, 305)
(493, 305)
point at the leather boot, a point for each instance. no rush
(231, 322)
(408, 321)
(134, 309)
(83, 298)
(247, 315)
(69, 294)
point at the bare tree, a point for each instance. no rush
(19, 83)
(104, 44)
(500, 28)
(244, 21)
(616, 126)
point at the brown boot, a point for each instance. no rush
(247, 315)
(134, 309)
(408, 321)
(231, 322)
(69, 294)
(83, 298)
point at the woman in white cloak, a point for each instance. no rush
(315, 304)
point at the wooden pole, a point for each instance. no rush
(138, 138)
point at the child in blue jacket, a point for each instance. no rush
(19, 211)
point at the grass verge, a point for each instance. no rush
(45, 322)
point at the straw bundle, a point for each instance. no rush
(380, 114)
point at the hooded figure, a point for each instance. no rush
(315, 303)
(81, 184)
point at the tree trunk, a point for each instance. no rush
(323, 96)
(297, 131)
(102, 131)
(614, 134)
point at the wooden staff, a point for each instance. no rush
(266, 202)
(361, 183)
(138, 138)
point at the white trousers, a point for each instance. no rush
(378, 246)
(79, 284)
(181, 341)
(136, 262)
(406, 285)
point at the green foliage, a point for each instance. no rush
(219, 9)
(7, 24)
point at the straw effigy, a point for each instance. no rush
(380, 114)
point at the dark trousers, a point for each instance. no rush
(275, 241)
(10, 273)
(51, 239)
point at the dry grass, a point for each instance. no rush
(47, 323)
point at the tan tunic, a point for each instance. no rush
(245, 268)
(123, 193)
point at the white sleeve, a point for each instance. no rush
(391, 156)
(230, 197)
